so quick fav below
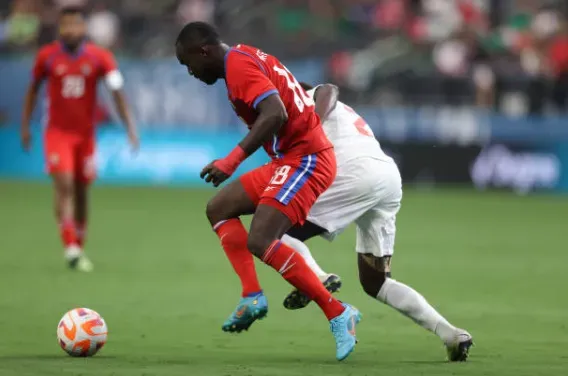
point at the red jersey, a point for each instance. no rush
(72, 83)
(252, 75)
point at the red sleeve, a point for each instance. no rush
(247, 79)
(108, 63)
(39, 71)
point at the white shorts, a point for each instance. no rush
(367, 192)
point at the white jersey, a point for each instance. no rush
(350, 135)
(367, 189)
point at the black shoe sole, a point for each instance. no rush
(297, 299)
(462, 352)
(237, 328)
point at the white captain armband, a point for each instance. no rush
(114, 80)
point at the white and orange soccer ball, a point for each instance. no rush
(82, 332)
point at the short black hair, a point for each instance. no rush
(306, 86)
(72, 10)
(198, 33)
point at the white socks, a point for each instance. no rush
(393, 293)
(73, 252)
(413, 305)
(303, 250)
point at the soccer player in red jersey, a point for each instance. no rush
(72, 68)
(281, 117)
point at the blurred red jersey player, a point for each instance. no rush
(282, 118)
(72, 68)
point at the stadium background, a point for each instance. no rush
(466, 95)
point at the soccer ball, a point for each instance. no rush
(82, 332)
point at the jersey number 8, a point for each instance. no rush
(73, 86)
(280, 175)
(300, 97)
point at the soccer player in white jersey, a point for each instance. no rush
(367, 191)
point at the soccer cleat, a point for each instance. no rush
(77, 260)
(84, 264)
(458, 349)
(248, 311)
(343, 329)
(297, 299)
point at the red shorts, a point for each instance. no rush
(291, 185)
(70, 153)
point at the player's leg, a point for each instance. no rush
(65, 214)
(352, 194)
(60, 166)
(81, 198)
(375, 241)
(267, 227)
(301, 247)
(84, 175)
(223, 212)
(280, 209)
(295, 238)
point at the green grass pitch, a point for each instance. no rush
(493, 263)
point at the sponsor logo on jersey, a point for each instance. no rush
(60, 69)
(86, 69)
(261, 55)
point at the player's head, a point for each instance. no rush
(199, 48)
(72, 26)
(306, 86)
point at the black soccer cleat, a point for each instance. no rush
(297, 299)
(459, 352)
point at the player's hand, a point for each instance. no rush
(134, 141)
(212, 174)
(26, 139)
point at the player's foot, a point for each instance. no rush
(343, 329)
(77, 260)
(297, 299)
(248, 311)
(458, 348)
(84, 264)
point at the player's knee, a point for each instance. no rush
(214, 211)
(65, 189)
(257, 244)
(373, 284)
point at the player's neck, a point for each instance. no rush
(71, 48)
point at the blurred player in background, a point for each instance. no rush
(280, 116)
(72, 67)
(367, 191)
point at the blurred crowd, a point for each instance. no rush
(509, 55)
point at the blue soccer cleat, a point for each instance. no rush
(248, 311)
(343, 329)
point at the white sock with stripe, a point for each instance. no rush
(413, 305)
(303, 250)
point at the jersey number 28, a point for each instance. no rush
(300, 97)
(73, 86)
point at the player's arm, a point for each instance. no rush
(30, 101)
(271, 116)
(115, 83)
(39, 73)
(126, 116)
(325, 97)
(248, 82)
